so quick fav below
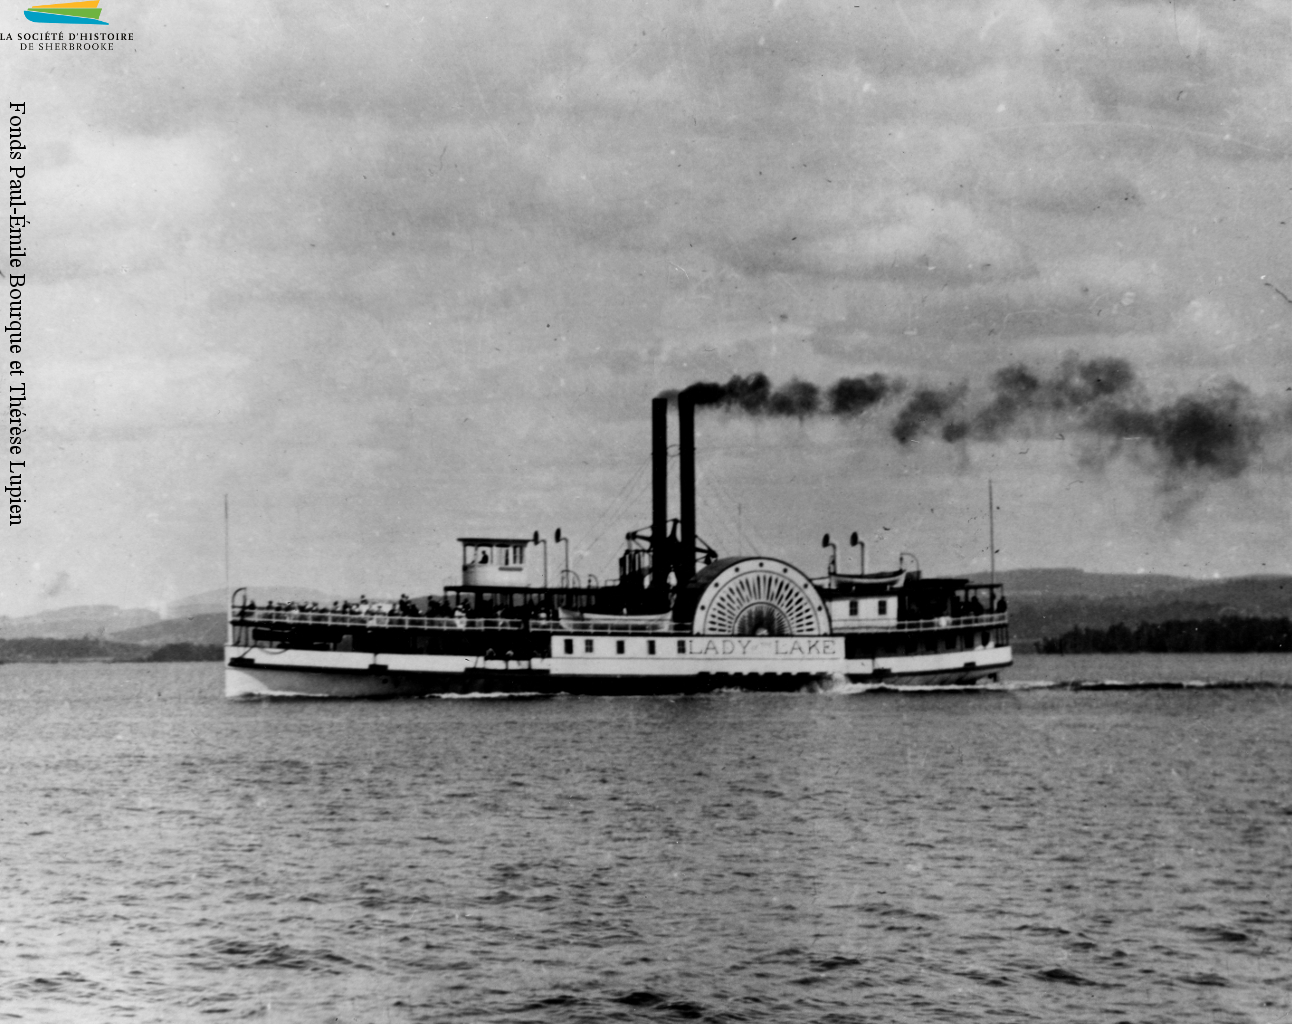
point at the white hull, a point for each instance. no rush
(677, 665)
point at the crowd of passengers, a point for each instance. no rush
(440, 609)
(960, 608)
(435, 608)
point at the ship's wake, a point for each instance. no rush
(840, 685)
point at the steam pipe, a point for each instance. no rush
(857, 542)
(686, 485)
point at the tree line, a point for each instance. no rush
(1230, 635)
(97, 649)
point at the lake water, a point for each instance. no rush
(1032, 853)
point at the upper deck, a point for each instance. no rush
(278, 619)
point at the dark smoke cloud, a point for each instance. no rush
(1019, 393)
(925, 409)
(1216, 433)
(851, 396)
(754, 394)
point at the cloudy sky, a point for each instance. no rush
(391, 273)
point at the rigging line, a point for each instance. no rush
(615, 517)
(613, 507)
(721, 528)
(714, 484)
(748, 534)
(608, 564)
(723, 514)
(732, 526)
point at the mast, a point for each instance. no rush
(228, 595)
(660, 555)
(991, 530)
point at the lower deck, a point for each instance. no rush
(272, 653)
(703, 664)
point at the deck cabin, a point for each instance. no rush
(876, 600)
(504, 577)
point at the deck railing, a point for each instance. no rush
(920, 625)
(242, 616)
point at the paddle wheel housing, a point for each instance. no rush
(754, 596)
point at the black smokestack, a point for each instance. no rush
(659, 495)
(685, 567)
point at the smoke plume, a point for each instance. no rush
(1210, 433)
(1020, 395)
(925, 409)
(1217, 433)
(754, 394)
(850, 396)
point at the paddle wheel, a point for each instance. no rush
(756, 596)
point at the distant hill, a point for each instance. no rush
(208, 628)
(1042, 602)
(79, 621)
(1094, 585)
(1051, 602)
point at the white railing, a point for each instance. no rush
(600, 626)
(369, 620)
(920, 625)
(291, 617)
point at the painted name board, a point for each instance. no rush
(764, 647)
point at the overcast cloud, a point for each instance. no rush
(392, 273)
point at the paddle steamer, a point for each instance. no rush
(678, 619)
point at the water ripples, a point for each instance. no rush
(1021, 855)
